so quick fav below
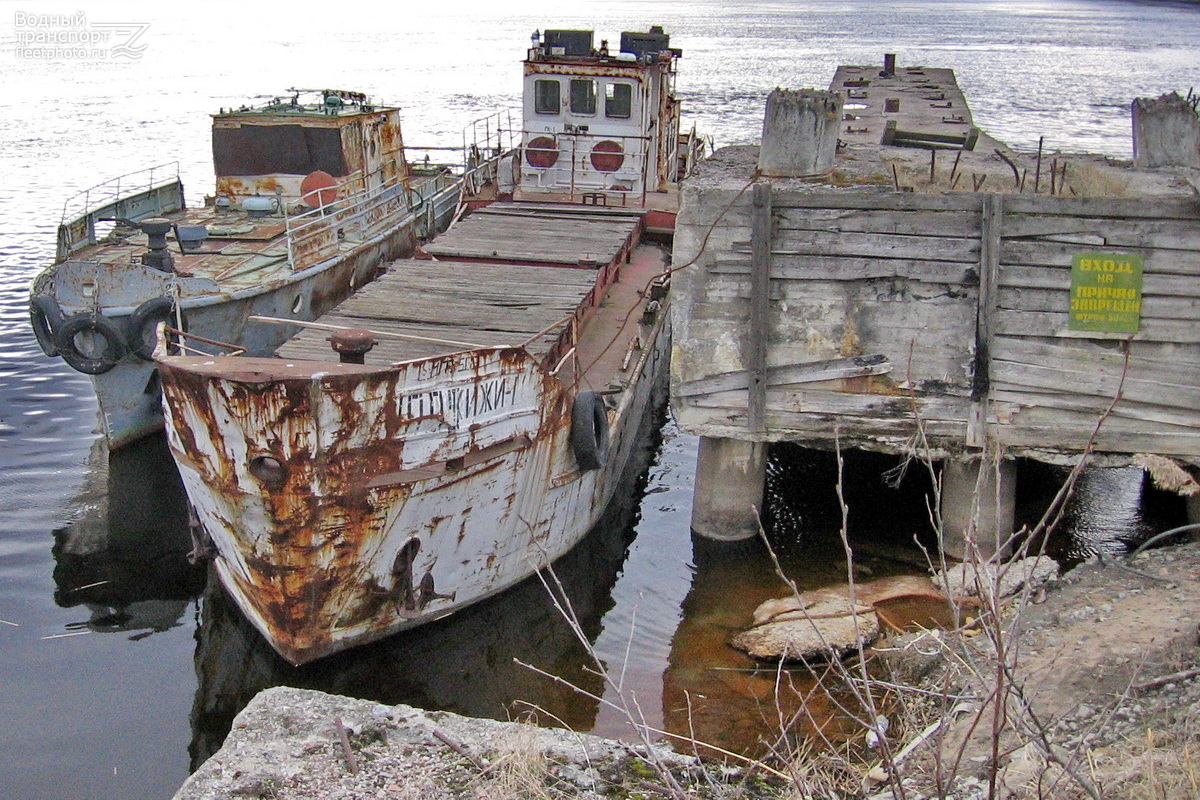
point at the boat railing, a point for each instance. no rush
(486, 141)
(135, 196)
(574, 170)
(435, 200)
(317, 234)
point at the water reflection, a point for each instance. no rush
(719, 695)
(124, 557)
(1111, 509)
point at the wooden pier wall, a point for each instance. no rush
(814, 315)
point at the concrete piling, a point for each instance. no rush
(979, 505)
(730, 475)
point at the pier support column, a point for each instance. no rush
(1193, 509)
(978, 504)
(1166, 132)
(800, 132)
(730, 475)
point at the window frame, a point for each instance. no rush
(590, 83)
(614, 86)
(540, 107)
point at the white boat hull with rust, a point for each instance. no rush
(349, 502)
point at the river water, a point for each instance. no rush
(117, 672)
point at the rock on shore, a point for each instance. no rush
(286, 744)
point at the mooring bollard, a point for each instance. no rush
(800, 132)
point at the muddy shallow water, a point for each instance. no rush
(118, 671)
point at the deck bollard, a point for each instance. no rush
(800, 132)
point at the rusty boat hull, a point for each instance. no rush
(289, 234)
(348, 503)
(482, 406)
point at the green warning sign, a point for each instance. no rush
(1106, 292)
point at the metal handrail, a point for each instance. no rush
(115, 192)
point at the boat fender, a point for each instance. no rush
(46, 317)
(143, 325)
(97, 325)
(589, 431)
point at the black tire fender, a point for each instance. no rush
(45, 317)
(99, 325)
(589, 431)
(143, 323)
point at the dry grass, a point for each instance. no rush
(519, 769)
(1157, 766)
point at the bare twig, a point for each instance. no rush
(1174, 677)
(344, 740)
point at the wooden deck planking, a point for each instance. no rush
(474, 303)
(511, 232)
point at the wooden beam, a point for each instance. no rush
(831, 369)
(760, 306)
(989, 269)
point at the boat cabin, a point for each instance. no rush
(274, 148)
(600, 123)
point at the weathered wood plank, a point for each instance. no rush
(880, 199)
(962, 224)
(1141, 415)
(873, 245)
(1058, 254)
(1059, 278)
(1081, 381)
(1054, 435)
(1146, 357)
(847, 269)
(1038, 323)
(829, 400)
(1103, 207)
(1116, 233)
(789, 375)
(1155, 306)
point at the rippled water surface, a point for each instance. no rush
(110, 686)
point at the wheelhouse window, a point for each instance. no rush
(546, 96)
(583, 96)
(618, 100)
(270, 149)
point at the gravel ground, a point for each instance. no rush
(1107, 697)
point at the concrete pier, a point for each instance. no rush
(730, 474)
(978, 507)
(930, 304)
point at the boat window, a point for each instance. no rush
(546, 97)
(618, 100)
(277, 149)
(583, 96)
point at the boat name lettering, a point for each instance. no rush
(459, 402)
